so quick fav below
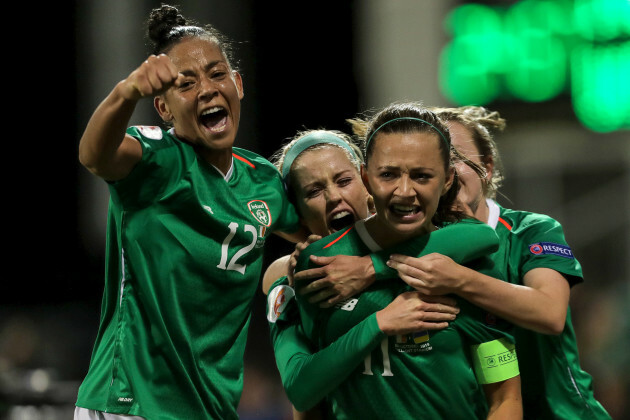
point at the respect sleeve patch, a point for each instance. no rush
(549, 248)
(495, 361)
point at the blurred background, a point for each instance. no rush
(556, 70)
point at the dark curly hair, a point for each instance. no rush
(166, 27)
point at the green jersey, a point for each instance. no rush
(301, 365)
(554, 385)
(429, 374)
(184, 254)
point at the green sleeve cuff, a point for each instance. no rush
(308, 376)
(371, 329)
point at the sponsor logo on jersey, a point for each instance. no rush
(549, 248)
(260, 210)
(277, 301)
(347, 305)
(151, 132)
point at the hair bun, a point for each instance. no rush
(161, 21)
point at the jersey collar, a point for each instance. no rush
(366, 237)
(229, 173)
(493, 213)
(225, 176)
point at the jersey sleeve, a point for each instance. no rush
(463, 241)
(309, 376)
(490, 338)
(540, 243)
(151, 176)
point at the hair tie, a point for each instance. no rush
(448, 144)
(318, 137)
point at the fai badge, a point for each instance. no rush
(260, 211)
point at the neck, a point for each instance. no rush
(385, 238)
(220, 159)
(482, 212)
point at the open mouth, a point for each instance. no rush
(341, 220)
(404, 210)
(214, 119)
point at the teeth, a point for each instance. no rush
(211, 110)
(340, 215)
(399, 208)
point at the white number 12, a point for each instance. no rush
(233, 265)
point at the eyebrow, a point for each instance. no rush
(319, 182)
(206, 68)
(344, 172)
(397, 168)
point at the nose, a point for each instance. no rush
(404, 187)
(333, 195)
(207, 88)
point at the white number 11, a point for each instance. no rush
(387, 368)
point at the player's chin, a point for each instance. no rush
(407, 227)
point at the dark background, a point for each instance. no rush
(299, 71)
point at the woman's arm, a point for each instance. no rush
(104, 148)
(504, 399)
(540, 304)
(309, 376)
(342, 276)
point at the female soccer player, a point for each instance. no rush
(540, 270)
(415, 154)
(322, 172)
(188, 217)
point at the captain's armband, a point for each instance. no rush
(495, 361)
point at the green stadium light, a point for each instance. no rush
(602, 20)
(535, 50)
(600, 87)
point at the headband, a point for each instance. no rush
(448, 144)
(318, 137)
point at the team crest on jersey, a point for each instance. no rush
(549, 248)
(260, 210)
(150, 132)
(415, 342)
(277, 301)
